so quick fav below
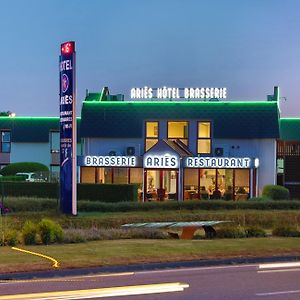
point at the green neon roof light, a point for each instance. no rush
(181, 102)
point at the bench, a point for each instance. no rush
(188, 228)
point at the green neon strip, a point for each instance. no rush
(206, 103)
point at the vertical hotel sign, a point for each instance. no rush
(67, 74)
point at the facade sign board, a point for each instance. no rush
(110, 161)
(178, 93)
(166, 161)
(220, 162)
(67, 99)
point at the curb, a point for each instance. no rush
(148, 267)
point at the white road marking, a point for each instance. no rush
(279, 265)
(278, 293)
(103, 292)
(279, 270)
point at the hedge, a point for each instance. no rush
(12, 178)
(92, 192)
(14, 168)
(31, 204)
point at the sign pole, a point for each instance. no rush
(68, 143)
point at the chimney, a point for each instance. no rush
(276, 93)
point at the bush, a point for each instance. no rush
(255, 231)
(50, 232)
(276, 192)
(27, 167)
(11, 238)
(231, 232)
(286, 230)
(29, 232)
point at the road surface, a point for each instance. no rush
(276, 281)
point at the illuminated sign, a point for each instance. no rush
(178, 93)
(166, 161)
(68, 197)
(110, 161)
(219, 162)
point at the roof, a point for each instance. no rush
(31, 129)
(175, 146)
(290, 129)
(234, 119)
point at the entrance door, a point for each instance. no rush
(161, 185)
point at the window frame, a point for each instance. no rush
(178, 138)
(2, 142)
(204, 138)
(51, 140)
(150, 138)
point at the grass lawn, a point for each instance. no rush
(104, 253)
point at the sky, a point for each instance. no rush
(247, 46)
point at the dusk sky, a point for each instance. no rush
(248, 46)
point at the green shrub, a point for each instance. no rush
(11, 238)
(50, 232)
(11, 178)
(14, 168)
(276, 192)
(286, 230)
(29, 233)
(231, 232)
(255, 231)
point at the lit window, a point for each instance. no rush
(178, 130)
(5, 144)
(204, 138)
(151, 134)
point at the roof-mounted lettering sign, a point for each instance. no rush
(178, 93)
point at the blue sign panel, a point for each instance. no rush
(67, 129)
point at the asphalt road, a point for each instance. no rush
(243, 282)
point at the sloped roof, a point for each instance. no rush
(290, 129)
(230, 119)
(175, 146)
(31, 129)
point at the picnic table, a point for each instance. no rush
(188, 228)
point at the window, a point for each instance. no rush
(5, 141)
(54, 141)
(151, 135)
(178, 130)
(204, 138)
